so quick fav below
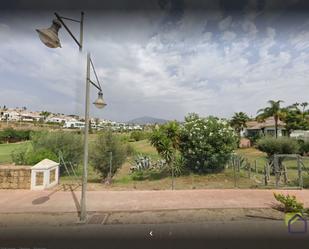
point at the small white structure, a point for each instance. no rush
(44, 174)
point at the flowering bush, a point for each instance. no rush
(206, 144)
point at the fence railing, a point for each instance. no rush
(272, 173)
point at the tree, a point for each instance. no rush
(68, 144)
(165, 139)
(106, 143)
(238, 121)
(295, 117)
(97, 121)
(274, 110)
(282, 145)
(45, 114)
(304, 106)
(90, 127)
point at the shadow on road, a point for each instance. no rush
(43, 199)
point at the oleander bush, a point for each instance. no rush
(206, 144)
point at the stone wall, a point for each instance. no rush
(15, 177)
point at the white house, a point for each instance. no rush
(55, 119)
(74, 124)
(266, 127)
(31, 116)
(10, 115)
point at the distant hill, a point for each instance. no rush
(147, 120)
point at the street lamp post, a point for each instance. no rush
(50, 38)
(99, 103)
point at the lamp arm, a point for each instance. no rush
(95, 85)
(95, 73)
(67, 29)
(70, 19)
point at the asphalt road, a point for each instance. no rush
(233, 234)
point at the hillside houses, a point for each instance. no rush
(65, 121)
(20, 115)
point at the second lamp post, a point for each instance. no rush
(50, 38)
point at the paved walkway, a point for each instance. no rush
(21, 201)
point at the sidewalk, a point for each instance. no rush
(23, 201)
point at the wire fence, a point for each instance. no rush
(281, 171)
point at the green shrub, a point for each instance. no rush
(206, 144)
(105, 143)
(34, 157)
(138, 135)
(28, 156)
(19, 156)
(281, 145)
(123, 137)
(138, 176)
(69, 144)
(289, 203)
(130, 150)
(304, 147)
(254, 138)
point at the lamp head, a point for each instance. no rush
(100, 103)
(49, 36)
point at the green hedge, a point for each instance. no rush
(11, 135)
(280, 145)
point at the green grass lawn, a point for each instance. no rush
(7, 149)
(144, 147)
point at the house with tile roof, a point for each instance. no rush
(266, 128)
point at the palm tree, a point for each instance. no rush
(165, 139)
(274, 110)
(45, 114)
(304, 105)
(238, 121)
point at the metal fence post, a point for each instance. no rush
(299, 168)
(234, 172)
(265, 175)
(276, 166)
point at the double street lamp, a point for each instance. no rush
(50, 38)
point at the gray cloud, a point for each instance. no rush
(149, 66)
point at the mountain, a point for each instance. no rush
(147, 120)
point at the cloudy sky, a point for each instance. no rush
(165, 60)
